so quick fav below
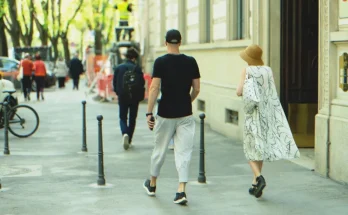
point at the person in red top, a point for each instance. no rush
(27, 68)
(40, 74)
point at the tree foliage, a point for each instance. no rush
(3, 38)
(29, 21)
(99, 16)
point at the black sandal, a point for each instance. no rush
(253, 189)
(261, 184)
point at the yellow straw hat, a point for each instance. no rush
(252, 55)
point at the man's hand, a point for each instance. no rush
(150, 123)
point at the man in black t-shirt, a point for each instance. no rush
(175, 74)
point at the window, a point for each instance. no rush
(192, 21)
(219, 20)
(240, 20)
(231, 116)
(343, 13)
(9, 65)
(171, 18)
(201, 105)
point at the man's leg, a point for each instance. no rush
(123, 117)
(77, 83)
(124, 24)
(123, 124)
(133, 113)
(183, 148)
(164, 131)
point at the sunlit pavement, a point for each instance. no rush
(48, 174)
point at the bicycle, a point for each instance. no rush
(17, 118)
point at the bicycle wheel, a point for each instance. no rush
(23, 121)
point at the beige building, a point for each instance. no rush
(303, 41)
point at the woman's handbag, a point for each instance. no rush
(251, 96)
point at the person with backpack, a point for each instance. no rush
(129, 86)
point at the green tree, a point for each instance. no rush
(12, 24)
(65, 29)
(97, 16)
(42, 22)
(3, 38)
(26, 21)
(54, 24)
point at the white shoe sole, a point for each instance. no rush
(125, 142)
(182, 201)
(147, 191)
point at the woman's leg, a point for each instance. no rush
(42, 86)
(60, 82)
(37, 81)
(255, 167)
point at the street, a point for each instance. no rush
(48, 174)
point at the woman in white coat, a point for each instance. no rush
(267, 134)
(61, 72)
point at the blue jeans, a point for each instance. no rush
(128, 127)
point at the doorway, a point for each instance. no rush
(299, 67)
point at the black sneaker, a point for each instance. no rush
(180, 198)
(261, 184)
(151, 191)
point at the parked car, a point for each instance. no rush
(10, 69)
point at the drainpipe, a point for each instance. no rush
(268, 32)
(328, 145)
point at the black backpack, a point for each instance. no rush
(132, 89)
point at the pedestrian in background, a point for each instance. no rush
(26, 70)
(267, 135)
(61, 72)
(75, 70)
(129, 86)
(175, 74)
(40, 74)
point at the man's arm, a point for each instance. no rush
(153, 94)
(129, 8)
(196, 87)
(115, 80)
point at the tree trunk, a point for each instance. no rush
(65, 42)
(3, 39)
(54, 42)
(81, 43)
(15, 29)
(98, 43)
(43, 33)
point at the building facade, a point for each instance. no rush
(304, 42)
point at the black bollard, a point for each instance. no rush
(6, 148)
(101, 176)
(201, 176)
(84, 136)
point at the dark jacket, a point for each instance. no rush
(75, 68)
(119, 72)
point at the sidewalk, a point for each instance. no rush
(48, 174)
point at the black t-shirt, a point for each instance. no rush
(176, 72)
